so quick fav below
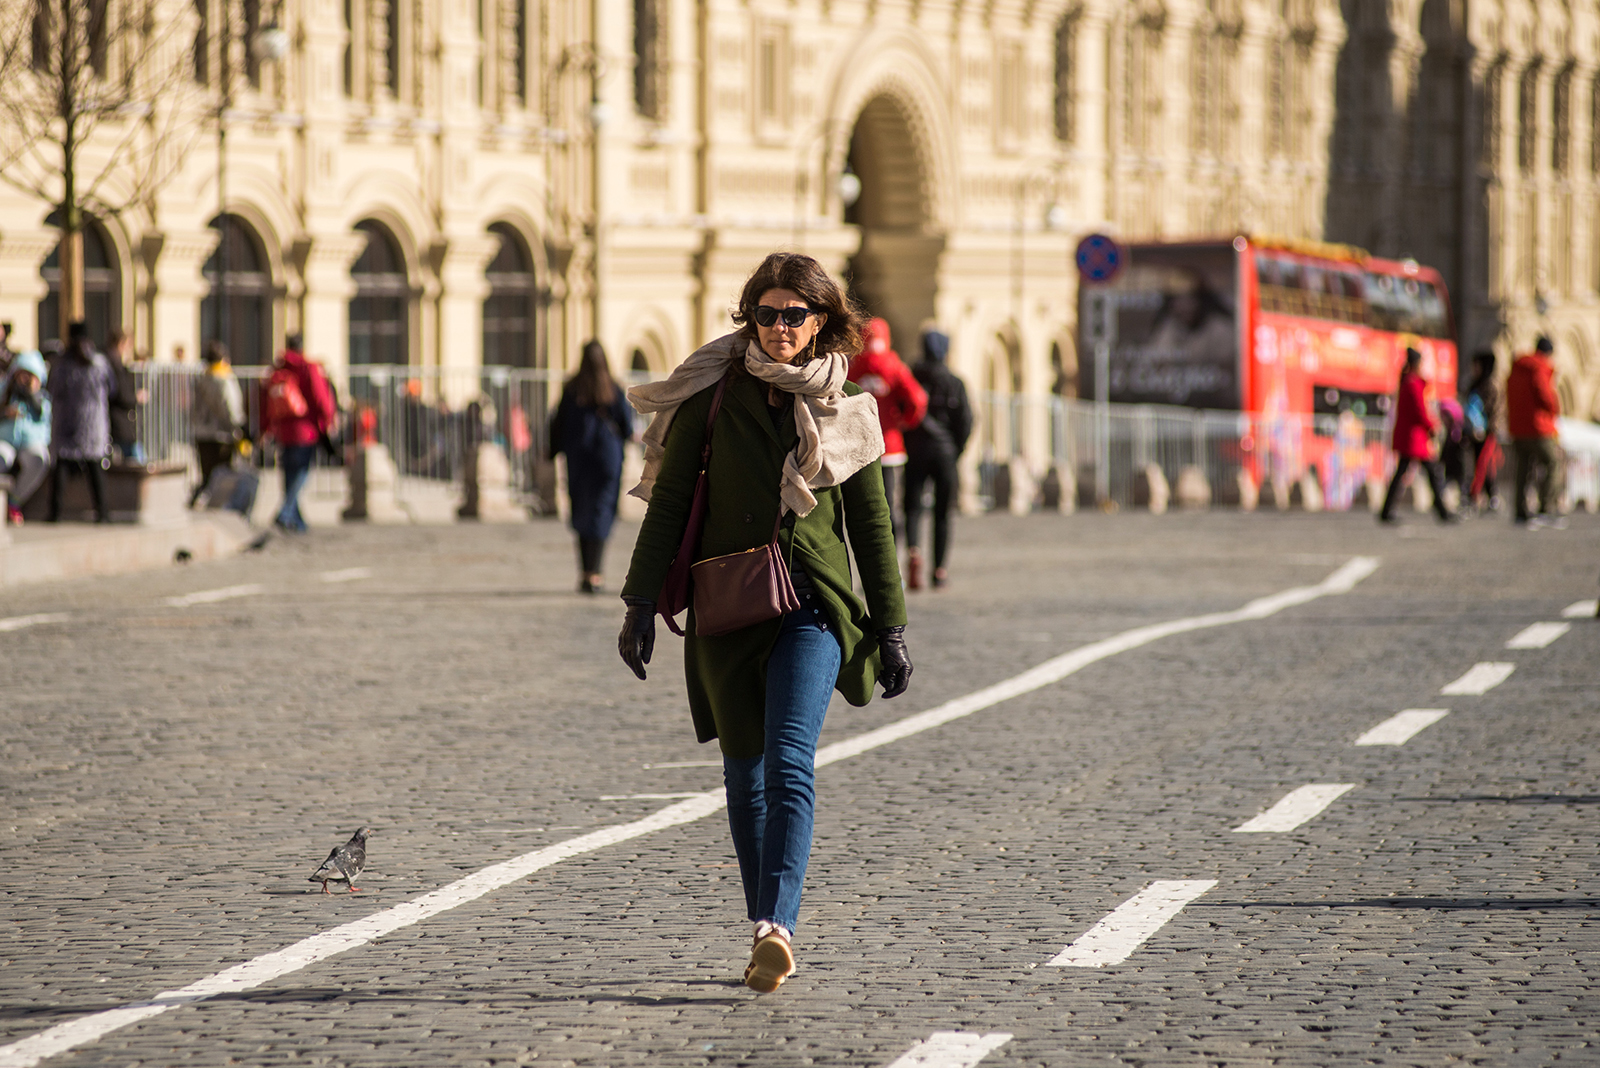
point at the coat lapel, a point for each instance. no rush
(750, 392)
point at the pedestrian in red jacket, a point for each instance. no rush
(297, 411)
(1414, 427)
(902, 402)
(1531, 410)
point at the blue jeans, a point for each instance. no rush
(772, 797)
(296, 463)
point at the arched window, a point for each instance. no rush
(1561, 121)
(508, 313)
(242, 296)
(380, 311)
(102, 286)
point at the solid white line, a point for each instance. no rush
(227, 593)
(950, 1049)
(644, 797)
(1127, 926)
(685, 764)
(253, 973)
(19, 622)
(1537, 635)
(1580, 609)
(348, 574)
(1480, 678)
(1399, 728)
(1296, 807)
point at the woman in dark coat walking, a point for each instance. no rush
(795, 449)
(933, 447)
(591, 423)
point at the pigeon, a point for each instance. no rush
(344, 863)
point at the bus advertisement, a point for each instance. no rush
(1306, 338)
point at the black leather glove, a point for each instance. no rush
(638, 638)
(896, 673)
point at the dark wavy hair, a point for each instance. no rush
(593, 386)
(803, 275)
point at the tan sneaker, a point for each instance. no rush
(771, 962)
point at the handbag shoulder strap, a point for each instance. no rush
(711, 416)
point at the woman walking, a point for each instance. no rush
(934, 446)
(1413, 441)
(592, 421)
(794, 450)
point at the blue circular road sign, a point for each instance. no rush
(1099, 258)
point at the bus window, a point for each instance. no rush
(1432, 319)
(1384, 311)
(1316, 290)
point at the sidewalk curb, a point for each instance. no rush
(77, 550)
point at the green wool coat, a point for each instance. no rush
(727, 674)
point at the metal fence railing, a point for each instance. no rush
(432, 419)
(429, 419)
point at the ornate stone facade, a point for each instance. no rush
(619, 166)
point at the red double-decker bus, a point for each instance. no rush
(1308, 338)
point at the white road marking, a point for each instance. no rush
(1580, 609)
(348, 574)
(1130, 924)
(1399, 728)
(227, 593)
(685, 764)
(1480, 678)
(250, 974)
(1537, 635)
(1054, 670)
(950, 1049)
(1296, 807)
(644, 797)
(19, 622)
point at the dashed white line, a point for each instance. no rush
(1399, 728)
(1130, 924)
(1480, 679)
(250, 974)
(22, 622)
(348, 574)
(685, 764)
(950, 1049)
(226, 593)
(1296, 807)
(644, 797)
(1537, 635)
(1580, 609)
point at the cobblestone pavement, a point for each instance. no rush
(174, 770)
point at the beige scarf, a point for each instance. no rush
(839, 435)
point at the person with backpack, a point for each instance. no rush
(297, 412)
(932, 448)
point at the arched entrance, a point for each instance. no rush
(895, 272)
(380, 312)
(244, 296)
(102, 286)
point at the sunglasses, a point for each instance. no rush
(793, 318)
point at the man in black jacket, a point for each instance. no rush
(932, 449)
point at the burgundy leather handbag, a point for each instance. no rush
(733, 591)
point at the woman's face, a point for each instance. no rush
(784, 343)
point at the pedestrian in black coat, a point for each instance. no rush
(932, 449)
(590, 426)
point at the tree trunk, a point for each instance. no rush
(71, 297)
